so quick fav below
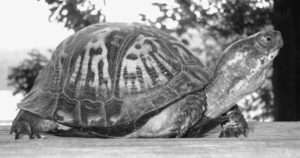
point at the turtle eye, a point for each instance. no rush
(267, 39)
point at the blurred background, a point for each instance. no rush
(31, 29)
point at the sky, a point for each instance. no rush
(24, 23)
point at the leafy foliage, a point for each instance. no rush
(75, 14)
(224, 17)
(22, 77)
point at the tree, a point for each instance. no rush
(75, 14)
(22, 77)
(224, 17)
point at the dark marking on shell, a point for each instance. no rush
(94, 51)
(62, 60)
(100, 72)
(137, 46)
(90, 74)
(163, 69)
(175, 65)
(149, 42)
(131, 57)
(113, 43)
(132, 77)
(140, 78)
(90, 92)
(125, 76)
(151, 71)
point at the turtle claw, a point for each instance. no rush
(234, 124)
(25, 124)
(21, 128)
(234, 131)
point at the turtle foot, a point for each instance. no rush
(234, 124)
(26, 124)
(21, 127)
(234, 130)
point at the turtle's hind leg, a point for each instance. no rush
(30, 124)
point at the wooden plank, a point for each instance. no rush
(276, 139)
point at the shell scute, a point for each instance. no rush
(92, 113)
(114, 112)
(39, 102)
(67, 110)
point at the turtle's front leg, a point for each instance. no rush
(233, 123)
(30, 124)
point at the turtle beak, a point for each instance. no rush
(279, 39)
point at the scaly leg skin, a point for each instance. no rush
(233, 123)
(173, 121)
(30, 124)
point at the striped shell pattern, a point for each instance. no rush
(114, 76)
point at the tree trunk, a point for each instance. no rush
(286, 72)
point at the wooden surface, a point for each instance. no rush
(279, 139)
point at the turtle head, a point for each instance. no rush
(249, 56)
(242, 68)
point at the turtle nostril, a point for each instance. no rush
(278, 33)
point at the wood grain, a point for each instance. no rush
(276, 139)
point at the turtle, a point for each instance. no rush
(130, 80)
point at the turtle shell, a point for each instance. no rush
(114, 77)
